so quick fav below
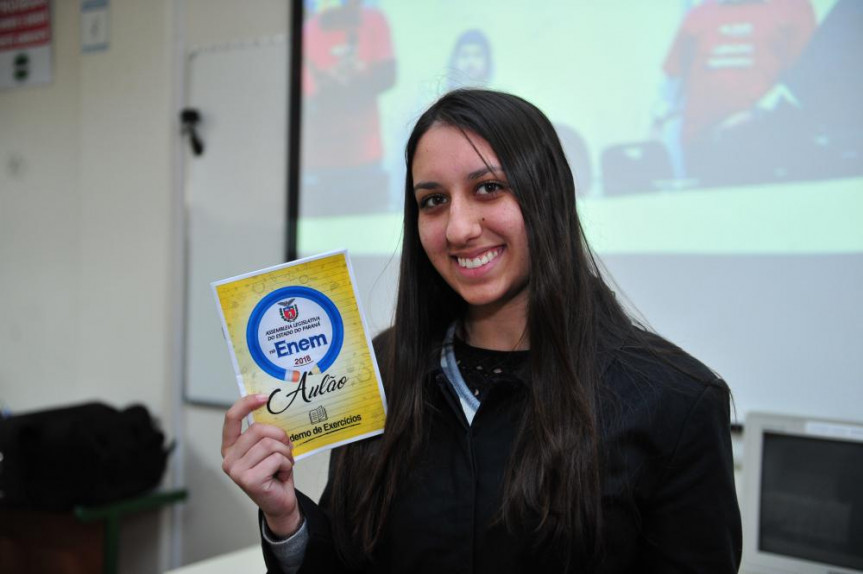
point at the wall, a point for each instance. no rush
(91, 251)
(85, 193)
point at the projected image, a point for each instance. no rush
(743, 101)
(348, 64)
(670, 112)
(471, 64)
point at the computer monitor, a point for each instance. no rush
(803, 495)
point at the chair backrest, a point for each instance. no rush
(634, 167)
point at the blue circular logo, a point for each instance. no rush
(294, 329)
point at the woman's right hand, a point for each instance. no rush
(261, 462)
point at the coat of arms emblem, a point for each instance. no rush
(289, 311)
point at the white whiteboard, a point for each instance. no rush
(235, 192)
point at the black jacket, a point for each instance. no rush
(669, 500)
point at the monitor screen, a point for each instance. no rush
(802, 507)
(812, 499)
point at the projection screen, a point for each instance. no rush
(716, 147)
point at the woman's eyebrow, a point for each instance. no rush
(426, 185)
(492, 169)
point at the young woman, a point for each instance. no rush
(532, 425)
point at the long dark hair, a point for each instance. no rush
(553, 478)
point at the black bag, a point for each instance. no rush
(87, 454)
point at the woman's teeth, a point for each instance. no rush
(478, 261)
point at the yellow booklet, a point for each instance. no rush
(296, 333)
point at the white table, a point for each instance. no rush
(246, 560)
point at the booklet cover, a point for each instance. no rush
(296, 333)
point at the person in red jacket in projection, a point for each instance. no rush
(348, 63)
(727, 55)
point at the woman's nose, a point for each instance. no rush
(464, 223)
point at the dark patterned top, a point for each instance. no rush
(480, 368)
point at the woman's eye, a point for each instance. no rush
(489, 187)
(432, 200)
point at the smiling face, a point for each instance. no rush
(470, 223)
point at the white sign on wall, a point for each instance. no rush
(25, 43)
(94, 25)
